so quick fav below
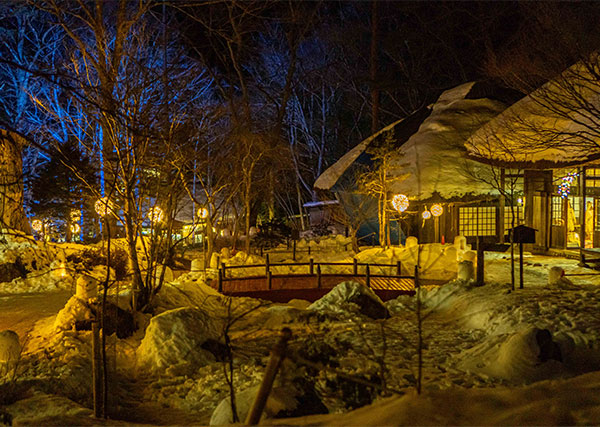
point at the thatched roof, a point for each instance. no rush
(432, 156)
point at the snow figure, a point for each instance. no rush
(411, 241)
(556, 277)
(466, 272)
(10, 348)
(86, 288)
(460, 242)
(214, 260)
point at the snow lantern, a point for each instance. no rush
(156, 215)
(436, 209)
(400, 202)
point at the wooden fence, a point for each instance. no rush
(313, 276)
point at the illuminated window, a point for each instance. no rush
(477, 221)
(593, 177)
(508, 214)
(557, 211)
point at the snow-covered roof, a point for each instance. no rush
(555, 126)
(433, 157)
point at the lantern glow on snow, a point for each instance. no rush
(437, 210)
(400, 202)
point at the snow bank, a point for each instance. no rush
(174, 339)
(522, 357)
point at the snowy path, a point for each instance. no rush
(19, 312)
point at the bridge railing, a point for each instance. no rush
(314, 270)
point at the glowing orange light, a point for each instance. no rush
(437, 209)
(426, 214)
(400, 202)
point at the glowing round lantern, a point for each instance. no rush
(75, 215)
(203, 213)
(426, 214)
(37, 225)
(437, 210)
(75, 228)
(103, 206)
(156, 214)
(400, 202)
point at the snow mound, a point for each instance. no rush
(523, 357)
(354, 298)
(174, 340)
(280, 400)
(75, 310)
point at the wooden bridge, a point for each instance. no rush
(316, 279)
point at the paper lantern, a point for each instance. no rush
(437, 210)
(203, 213)
(75, 228)
(426, 214)
(400, 202)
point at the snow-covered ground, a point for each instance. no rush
(490, 355)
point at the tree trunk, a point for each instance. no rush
(12, 215)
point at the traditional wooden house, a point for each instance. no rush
(431, 167)
(551, 137)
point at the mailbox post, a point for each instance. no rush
(522, 234)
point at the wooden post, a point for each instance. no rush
(220, 279)
(368, 276)
(97, 371)
(277, 356)
(520, 265)
(318, 276)
(309, 249)
(294, 250)
(267, 269)
(398, 268)
(480, 261)
(417, 285)
(270, 279)
(224, 267)
(355, 267)
(311, 267)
